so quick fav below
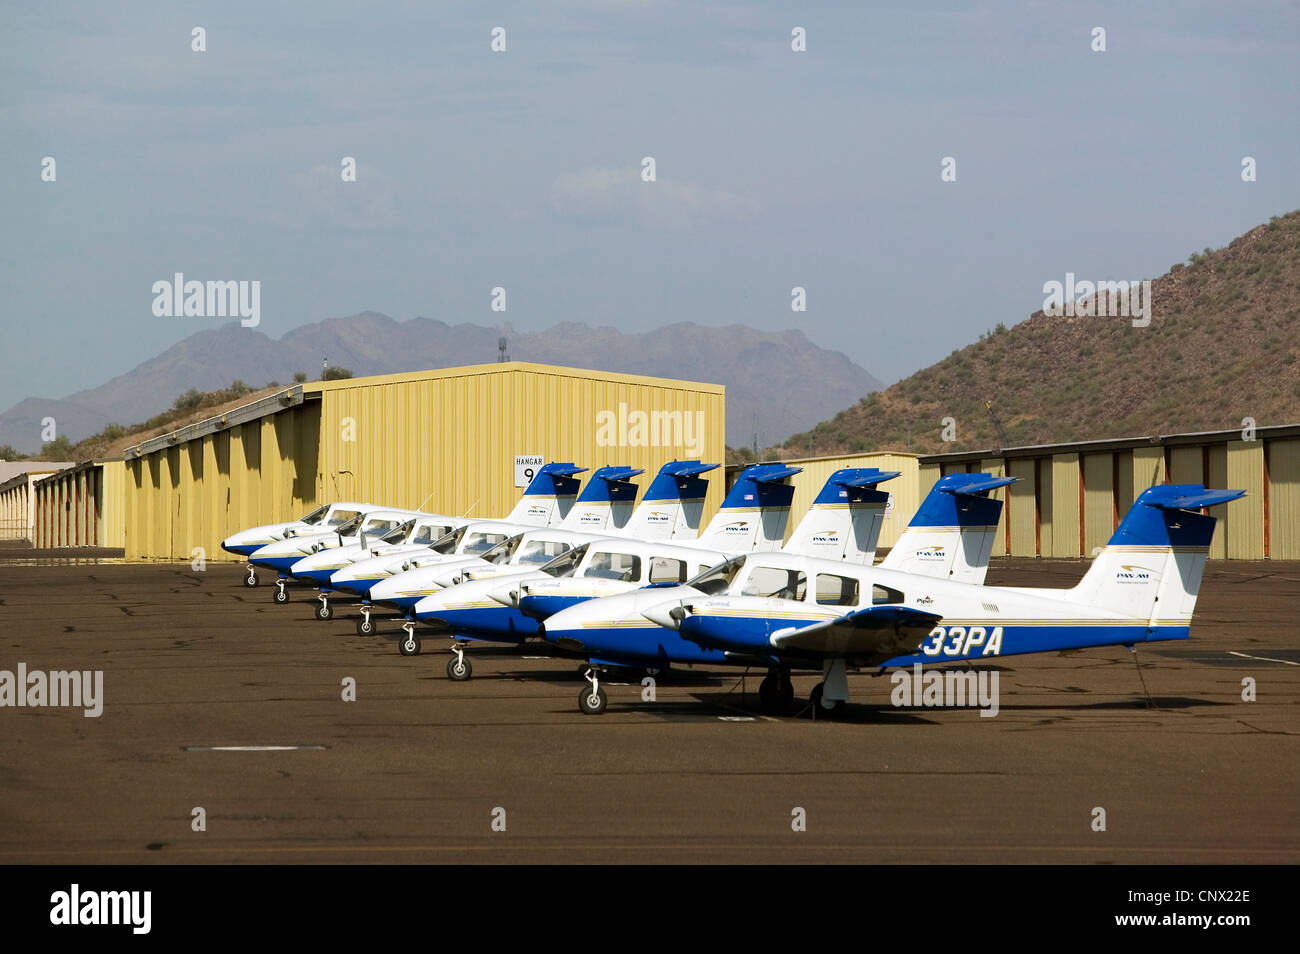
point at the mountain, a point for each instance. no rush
(1223, 344)
(782, 376)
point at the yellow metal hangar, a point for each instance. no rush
(1070, 497)
(450, 441)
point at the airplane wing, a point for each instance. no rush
(864, 632)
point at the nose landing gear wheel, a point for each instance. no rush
(281, 595)
(592, 701)
(251, 579)
(324, 611)
(459, 669)
(364, 626)
(409, 645)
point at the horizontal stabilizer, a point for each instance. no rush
(769, 473)
(1195, 501)
(982, 484)
(560, 470)
(616, 473)
(866, 477)
(686, 468)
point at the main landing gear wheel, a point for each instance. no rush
(324, 611)
(592, 701)
(459, 668)
(409, 645)
(365, 627)
(251, 579)
(775, 692)
(825, 708)
(281, 594)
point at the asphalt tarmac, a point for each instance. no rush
(198, 669)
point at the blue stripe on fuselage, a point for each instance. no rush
(243, 549)
(279, 564)
(1019, 640)
(651, 644)
(357, 586)
(502, 623)
(540, 607)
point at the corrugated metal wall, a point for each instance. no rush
(1077, 499)
(441, 441)
(81, 507)
(1284, 499)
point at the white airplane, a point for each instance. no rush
(671, 508)
(843, 523)
(329, 517)
(549, 499)
(414, 535)
(550, 496)
(283, 555)
(784, 613)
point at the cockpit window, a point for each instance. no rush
(835, 590)
(315, 516)
(667, 570)
(479, 543)
(605, 565)
(448, 542)
(503, 551)
(565, 563)
(378, 526)
(398, 534)
(537, 552)
(716, 579)
(342, 518)
(777, 582)
(427, 533)
(885, 595)
(348, 528)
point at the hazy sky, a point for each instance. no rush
(522, 168)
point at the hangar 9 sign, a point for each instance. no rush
(526, 468)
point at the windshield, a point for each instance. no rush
(716, 579)
(378, 526)
(448, 542)
(503, 550)
(341, 518)
(565, 563)
(315, 516)
(398, 534)
(480, 543)
(348, 528)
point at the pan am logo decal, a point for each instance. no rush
(1127, 573)
(929, 553)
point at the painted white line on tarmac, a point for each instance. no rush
(254, 748)
(1284, 662)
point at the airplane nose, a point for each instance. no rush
(668, 615)
(506, 595)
